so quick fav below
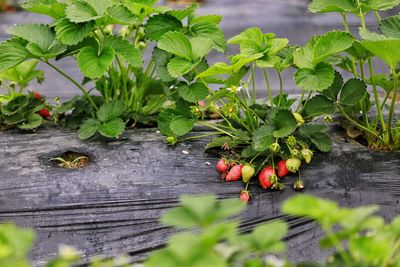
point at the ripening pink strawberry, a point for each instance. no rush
(235, 173)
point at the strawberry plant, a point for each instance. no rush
(108, 39)
(316, 64)
(25, 111)
(257, 131)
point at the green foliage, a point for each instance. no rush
(386, 48)
(204, 248)
(314, 73)
(52, 8)
(12, 53)
(15, 244)
(107, 122)
(20, 110)
(70, 33)
(23, 73)
(84, 30)
(93, 63)
(253, 42)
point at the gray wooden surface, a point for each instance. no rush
(113, 206)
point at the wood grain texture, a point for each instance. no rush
(113, 205)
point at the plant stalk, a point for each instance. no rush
(84, 92)
(376, 96)
(353, 62)
(393, 103)
(268, 87)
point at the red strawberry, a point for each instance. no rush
(282, 169)
(37, 95)
(235, 173)
(265, 175)
(222, 166)
(245, 196)
(44, 112)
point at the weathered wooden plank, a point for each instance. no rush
(113, 205)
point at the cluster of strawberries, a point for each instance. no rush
(267, 177)
(44, 112)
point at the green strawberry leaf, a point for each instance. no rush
(32, 121)
(23, 73)
(180, 14)
(178, 44)
(88, 129)
(255, 34)
(319, 105)
(123, 48)
(121, 15)
(92, 64)
(303, 57)
(263, 138)
(206, 26)
(381, 46)
(70, 33)
(86, 10)
(142, 9)
(194, 92)
(161, 59)
(12, 53)
(160, 24)
(52, 52)
(51, 8)
(317, 79)
(333, 91)
(323, 6)
(179, 66)
(181, 125)
(112, 128)
(331, 43)
(322, 141)
(200, 47)
(308, 130)
(39, 34)
(285, 123)
(110, 110)
(382, 4)
(352, 92)
(181, 114)
(391, 26)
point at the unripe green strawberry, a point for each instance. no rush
(307, 154)
(171, 140)
(295, 153)
(248, 172)
(293, 164)
(299, 119)
(291, 140)
(275, 147)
